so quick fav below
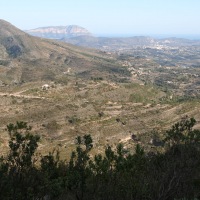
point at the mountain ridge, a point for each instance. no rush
(42, 59)
(58, 32)
(112, 44)
(79, 36)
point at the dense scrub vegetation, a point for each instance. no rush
(114, 175)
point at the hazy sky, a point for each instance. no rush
(111, 17)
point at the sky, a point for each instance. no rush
(107, 17)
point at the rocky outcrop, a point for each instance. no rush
(59, 32)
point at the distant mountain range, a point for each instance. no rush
(112, 44)
(59, 32)
(79, 36)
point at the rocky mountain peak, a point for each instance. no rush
(59, 32)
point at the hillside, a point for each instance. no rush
(26, 58)
(110, 96)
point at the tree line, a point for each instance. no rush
(113, 175)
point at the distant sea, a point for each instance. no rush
(190, 37)
(157, 36)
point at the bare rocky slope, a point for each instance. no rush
(58, 32)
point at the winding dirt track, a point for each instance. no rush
(17, 94)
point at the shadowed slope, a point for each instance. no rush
(28, 58)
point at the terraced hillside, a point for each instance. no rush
(63, 91)
(110, 112)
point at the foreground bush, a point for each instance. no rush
(115, 175)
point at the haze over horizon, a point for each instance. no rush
(157, 18)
